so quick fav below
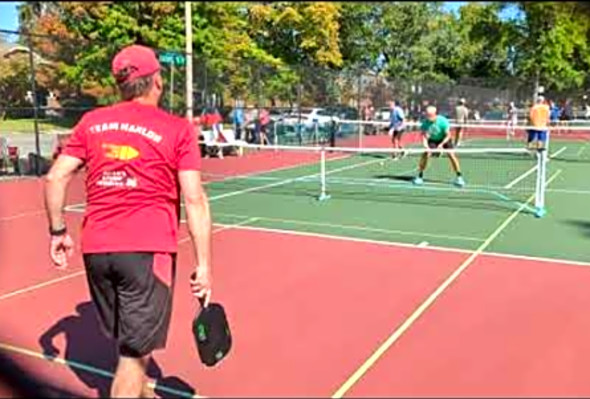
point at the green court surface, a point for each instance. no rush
(372, 198)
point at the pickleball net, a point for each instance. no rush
(495, 177)
(362, 133)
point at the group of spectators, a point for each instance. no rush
(248, 127)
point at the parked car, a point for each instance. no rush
(309, 116)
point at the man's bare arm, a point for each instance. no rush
(56, 183)
(199, 226)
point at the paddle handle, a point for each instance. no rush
(201, 300)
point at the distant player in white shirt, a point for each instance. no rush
(461, 114)
(512, 115)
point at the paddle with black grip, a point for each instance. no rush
(212, 333)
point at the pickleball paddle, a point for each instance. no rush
(211, 333)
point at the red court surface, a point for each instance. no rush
(506, 328)
(303, 310)
(307, 312)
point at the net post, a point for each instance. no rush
(540, 210)
(323, 195)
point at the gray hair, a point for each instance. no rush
(135, 88)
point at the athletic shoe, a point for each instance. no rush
(459, 181)
(418, 181)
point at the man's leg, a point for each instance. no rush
(541, 139)
(391, 133)
(531, 138)
(455, 165)
(130, 378)
(421, 168)
(458, 132)
(398, 137)
(145, 292)
(457, 169)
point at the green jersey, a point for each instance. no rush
(437, 130)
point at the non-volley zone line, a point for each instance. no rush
(349, 227)
(90, 369)
(421, 245)
(272, 170)
(427, 303)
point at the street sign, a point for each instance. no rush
(176, 59)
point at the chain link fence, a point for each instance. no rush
(47, 83)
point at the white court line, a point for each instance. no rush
(359, 228)
(422, 244)
(556, 153)
(290, 180)
(279, 169)
(82, 272)
(394, 337)
(72, 207)
(533, 169)
(225, 227)
(407, 245)
(567, 191)
(44, 284)
(521, 177)
(86, 367)
(581, 150)
(20, 215)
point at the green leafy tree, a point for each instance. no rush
(298, 33)
(553, 46)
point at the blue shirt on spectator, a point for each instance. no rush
(238, 116)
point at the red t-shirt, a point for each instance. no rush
(133, 153)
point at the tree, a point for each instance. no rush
(553, 46)
(15, 82)
(298, 33)
(359, 43)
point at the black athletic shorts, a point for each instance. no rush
(133, 295)
(433, 144)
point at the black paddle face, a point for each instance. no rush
(212, 334)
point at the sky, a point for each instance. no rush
(508, 13)
(8, 15)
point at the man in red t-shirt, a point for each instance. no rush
(137, 157)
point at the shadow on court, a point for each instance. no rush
(582, 225)
(86, 345)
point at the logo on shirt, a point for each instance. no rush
(117, 179)
(120, 152)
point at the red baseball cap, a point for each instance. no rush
(138, 60)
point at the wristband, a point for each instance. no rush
(58, 232)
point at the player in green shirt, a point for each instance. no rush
(436, 134)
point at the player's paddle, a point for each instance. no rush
(211, 333)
